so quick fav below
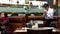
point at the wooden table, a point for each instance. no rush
(24, 31)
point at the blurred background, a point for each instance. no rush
(20, 7)
(22, 12)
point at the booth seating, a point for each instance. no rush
(20, 21)
(55, 20)
(17, 22)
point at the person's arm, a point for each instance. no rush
(4, 21)
(44, 13)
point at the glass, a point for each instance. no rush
(21, 10)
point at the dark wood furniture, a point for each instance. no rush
(20, 33)
(46, 31)
(17, 22)
(20, 21)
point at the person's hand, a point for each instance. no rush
(45, 12)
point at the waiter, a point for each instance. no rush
(48, 15)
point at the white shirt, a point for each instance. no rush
(49, 14)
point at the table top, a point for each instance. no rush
(24, 29)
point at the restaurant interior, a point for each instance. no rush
(30, 12)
